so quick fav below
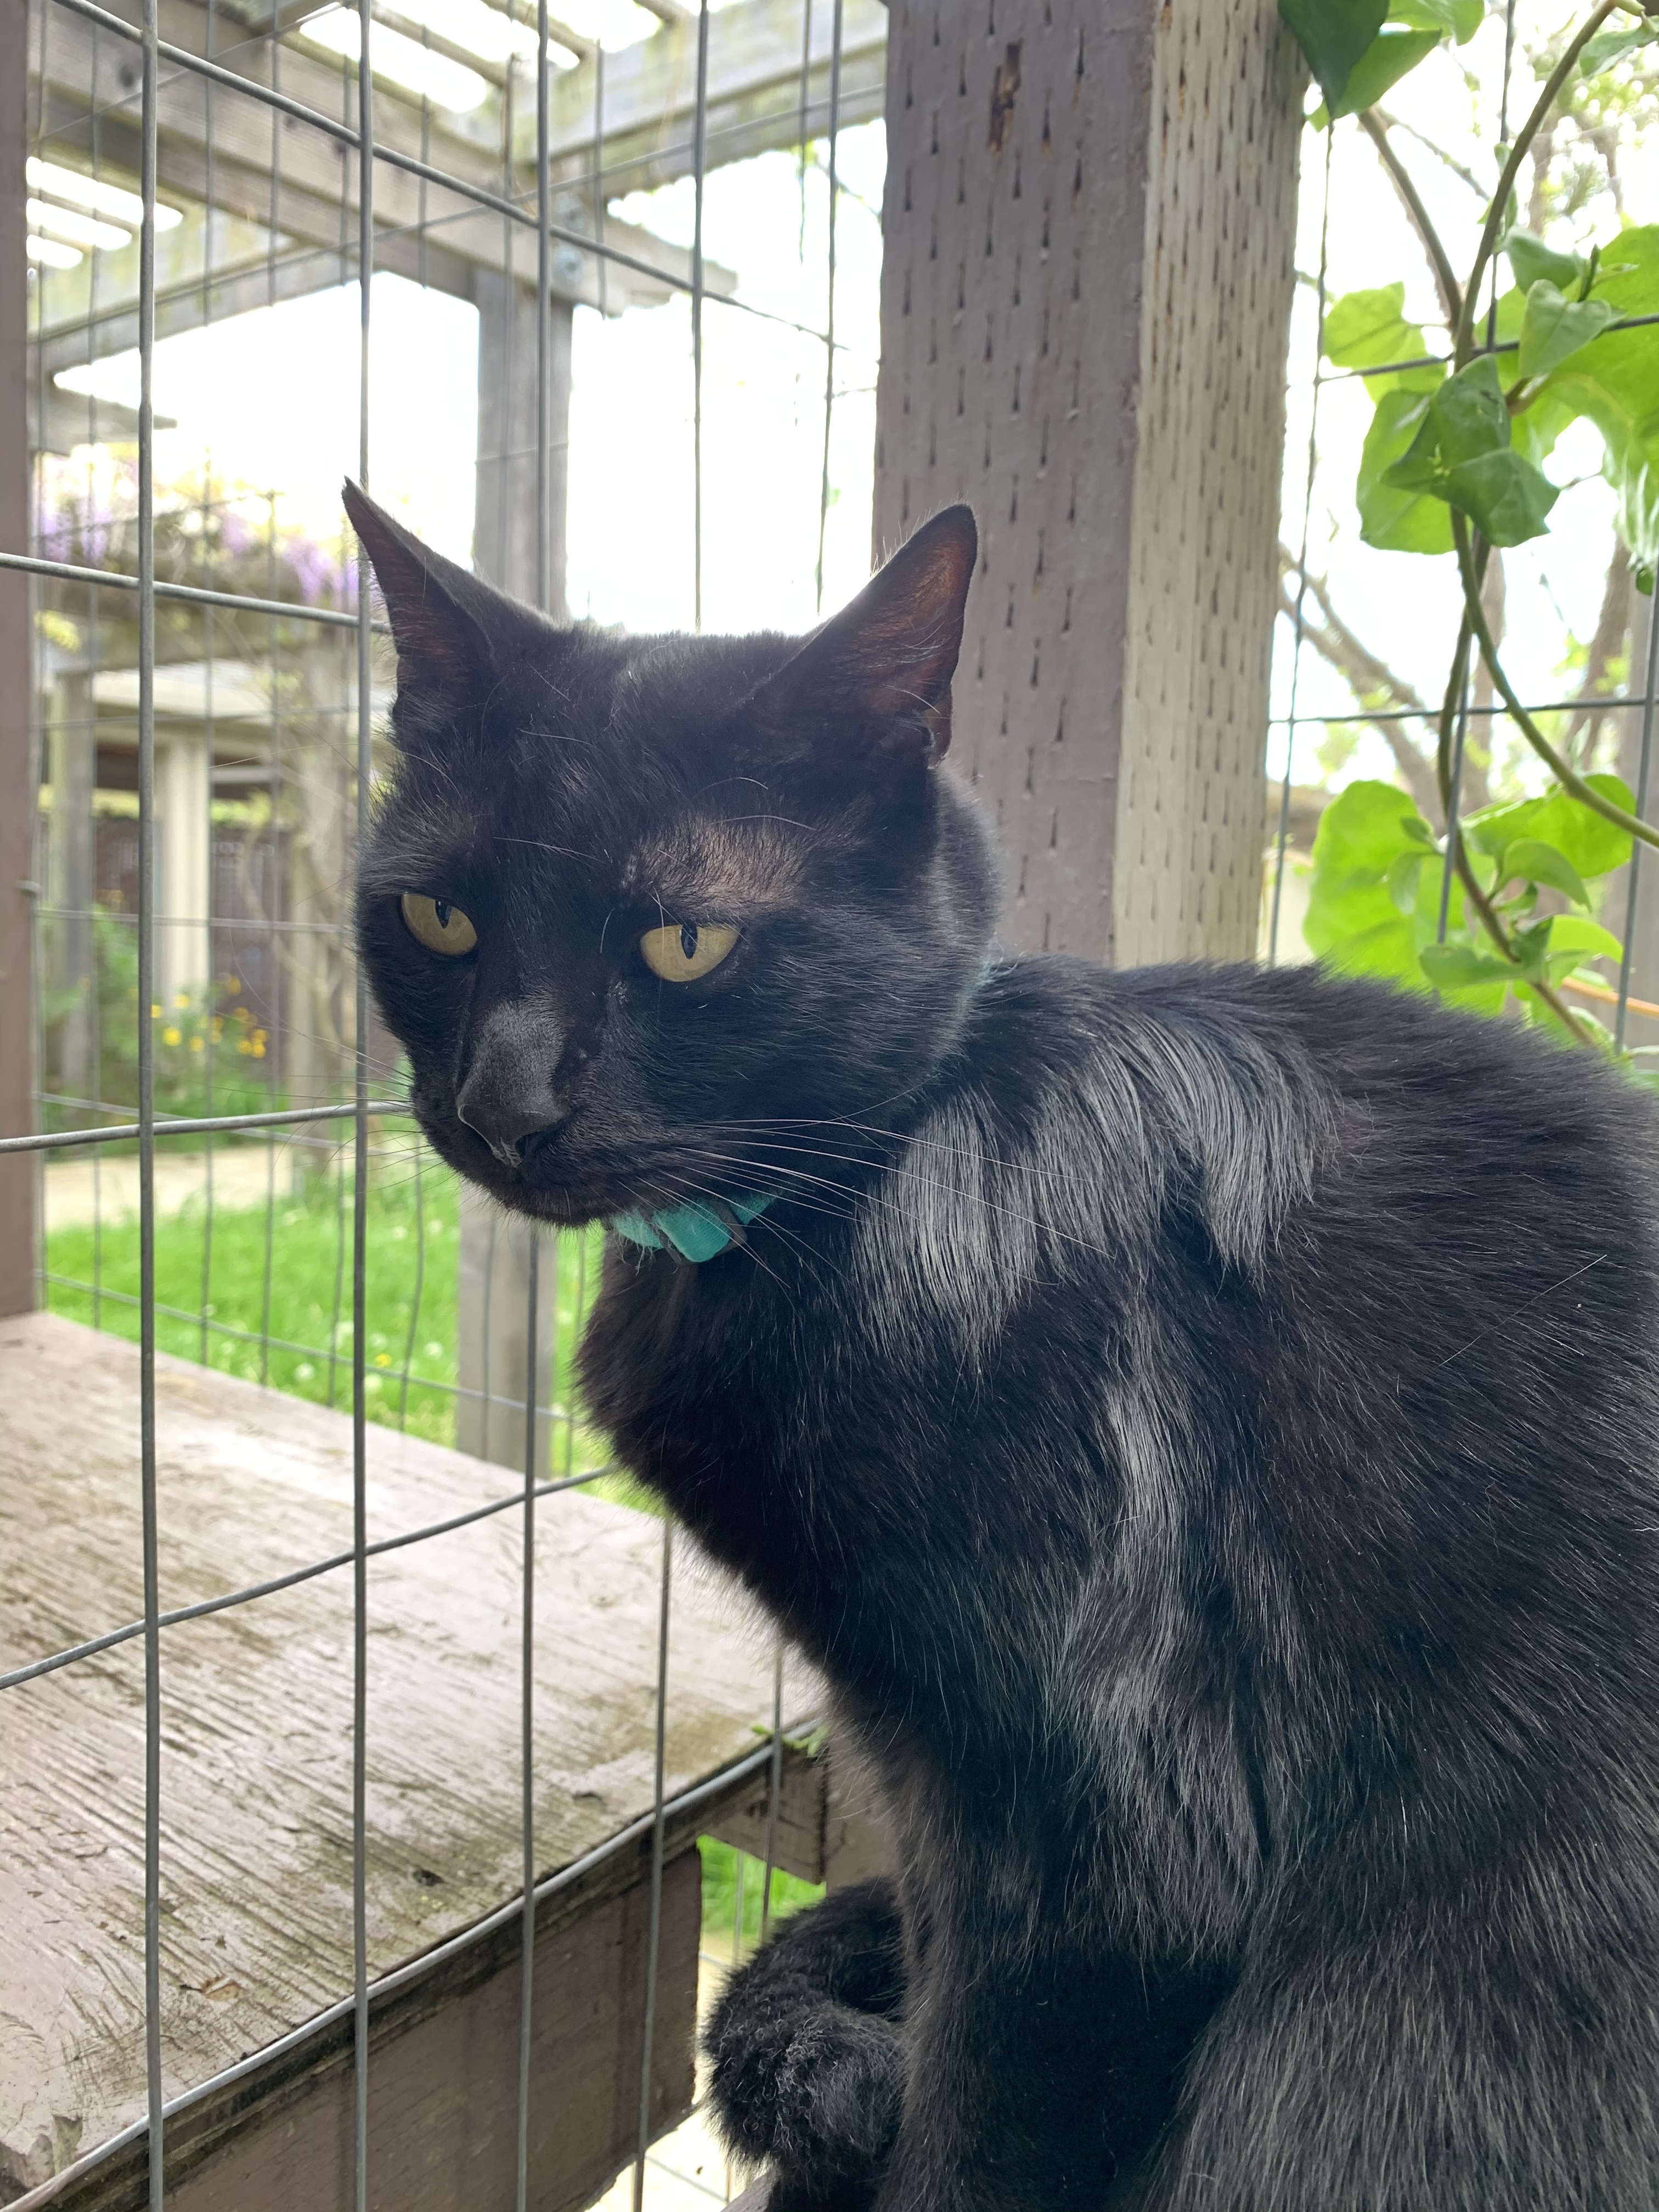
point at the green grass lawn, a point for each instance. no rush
(720, 1895)
(268, 1296)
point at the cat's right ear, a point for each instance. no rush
(440, 613)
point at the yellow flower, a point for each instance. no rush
(243, 1047)
(383, 1359)
(181, 997)
(196, 1044)
(155, 1013)
(170, 1035)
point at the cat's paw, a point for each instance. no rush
(811, 2087)
(807, 2070)
(850, 1948)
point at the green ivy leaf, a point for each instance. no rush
(1333, 34)
(1365, 330)
(1364, 828)
(1506, 498)
(1574, 939)
(1469, 412)
(1390, 56)
(1532, 260)
(1461, 453)
(1459, 19)
(1610, 46)
(1460, 967)
(1464, 420)
(1402, 880)
(1393, 519)
(1530, 860)
(1555, 328)
(1613, 382)
(1352, 919)
(1586, 840)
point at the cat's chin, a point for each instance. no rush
(567, 1207)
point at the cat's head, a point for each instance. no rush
(644, 909)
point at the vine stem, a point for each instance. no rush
(1562, 769)
(1463, 345)
(1491, 920)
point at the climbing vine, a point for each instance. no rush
(1501, 910)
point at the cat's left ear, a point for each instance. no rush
(877, 675)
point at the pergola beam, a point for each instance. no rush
(299, 186)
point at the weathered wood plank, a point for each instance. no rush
(256, 1770)
(443, 2083)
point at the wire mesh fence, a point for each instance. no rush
(1392, 202)
(224, 1167)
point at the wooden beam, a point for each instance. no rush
(18, 774)
(444, 2077)
(272, 173)
(1086, 305)
(754, 92)
(831, 1826)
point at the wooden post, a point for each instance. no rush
(493, 1347)
(18, 778)
(1086, 305)
(504, 512)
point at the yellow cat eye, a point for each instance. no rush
(437, 925)
(681, 951)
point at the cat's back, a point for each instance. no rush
(1252, 1098)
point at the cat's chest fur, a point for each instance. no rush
(932, 1418)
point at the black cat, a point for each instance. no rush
(1203, 1422)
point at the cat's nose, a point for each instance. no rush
(508, 1125)
(508, 1093)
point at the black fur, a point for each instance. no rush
(1202, 1421)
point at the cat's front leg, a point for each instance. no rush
(808, 2074)
(1039, 2073)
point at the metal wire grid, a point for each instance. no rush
(1645, 699)
(354, 132)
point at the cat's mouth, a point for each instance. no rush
(556, 1180)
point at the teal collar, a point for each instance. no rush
(695, 1231)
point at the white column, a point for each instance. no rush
(184, 797)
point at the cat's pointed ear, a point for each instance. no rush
(879, 673)
(440, 613)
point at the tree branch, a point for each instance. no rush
(1612, 626)
(1451, 300)
(1392, 122)
(1367, 677)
